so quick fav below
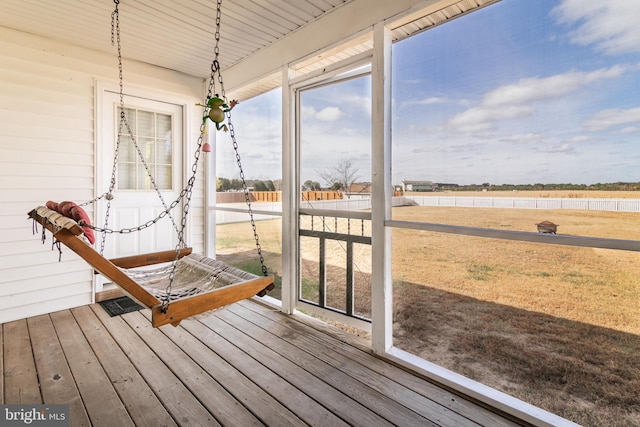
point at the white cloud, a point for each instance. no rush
(308, 112)
(627, 130)
(527, 138)
(429, 101)
(611, 25)
(579, 138)
(482, 118)
(612, 117)
(564, 148)
(329, 114)
(534, 89)
(361, 102)
(514, 101)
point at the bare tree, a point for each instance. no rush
(342, 176)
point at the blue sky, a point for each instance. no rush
(519, 92)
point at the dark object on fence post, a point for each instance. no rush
(547, 227)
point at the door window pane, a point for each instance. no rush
(152, 133)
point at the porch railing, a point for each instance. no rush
(348, 228)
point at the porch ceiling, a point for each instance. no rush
(179, 34)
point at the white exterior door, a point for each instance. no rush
(156, 128)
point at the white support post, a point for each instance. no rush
(381, 292)
(210, 195)
(289, 198)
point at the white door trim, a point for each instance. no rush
(100, 88)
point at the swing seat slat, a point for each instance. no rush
(162, 314)
(149, 259)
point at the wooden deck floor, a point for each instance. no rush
(244, 365)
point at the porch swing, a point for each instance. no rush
(174, 284)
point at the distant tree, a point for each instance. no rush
(259, 186)
(223, 184)
(236, 184)
(310, 185)
(342, 176)
(269, 185)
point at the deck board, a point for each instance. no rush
(56, 380)
(293, 372)
(184, 408)
(244, 388)
(387, 411)
(355, 373)
(142, 404)
(225, 408)
(244, 365)
(266, 373)
(421, 396)
(20, 374)
(100, 398)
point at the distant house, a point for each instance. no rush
(419, 186)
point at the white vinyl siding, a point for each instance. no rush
(47, 152)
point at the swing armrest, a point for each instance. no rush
(54, 221)
(149, 259)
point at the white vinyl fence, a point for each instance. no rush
(618, 205)
(236, 212)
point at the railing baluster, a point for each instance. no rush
(347, 237)
(322, 274)
(350, 279)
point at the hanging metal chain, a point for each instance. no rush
(247, 195)
(215, 71)
(188, 191)
(124, 122)
(232, 133)
(108, 195)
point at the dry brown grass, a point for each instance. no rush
(596, 286)
(555, 326)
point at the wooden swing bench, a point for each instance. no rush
(243, 285)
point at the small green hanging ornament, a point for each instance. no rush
(217, 109)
